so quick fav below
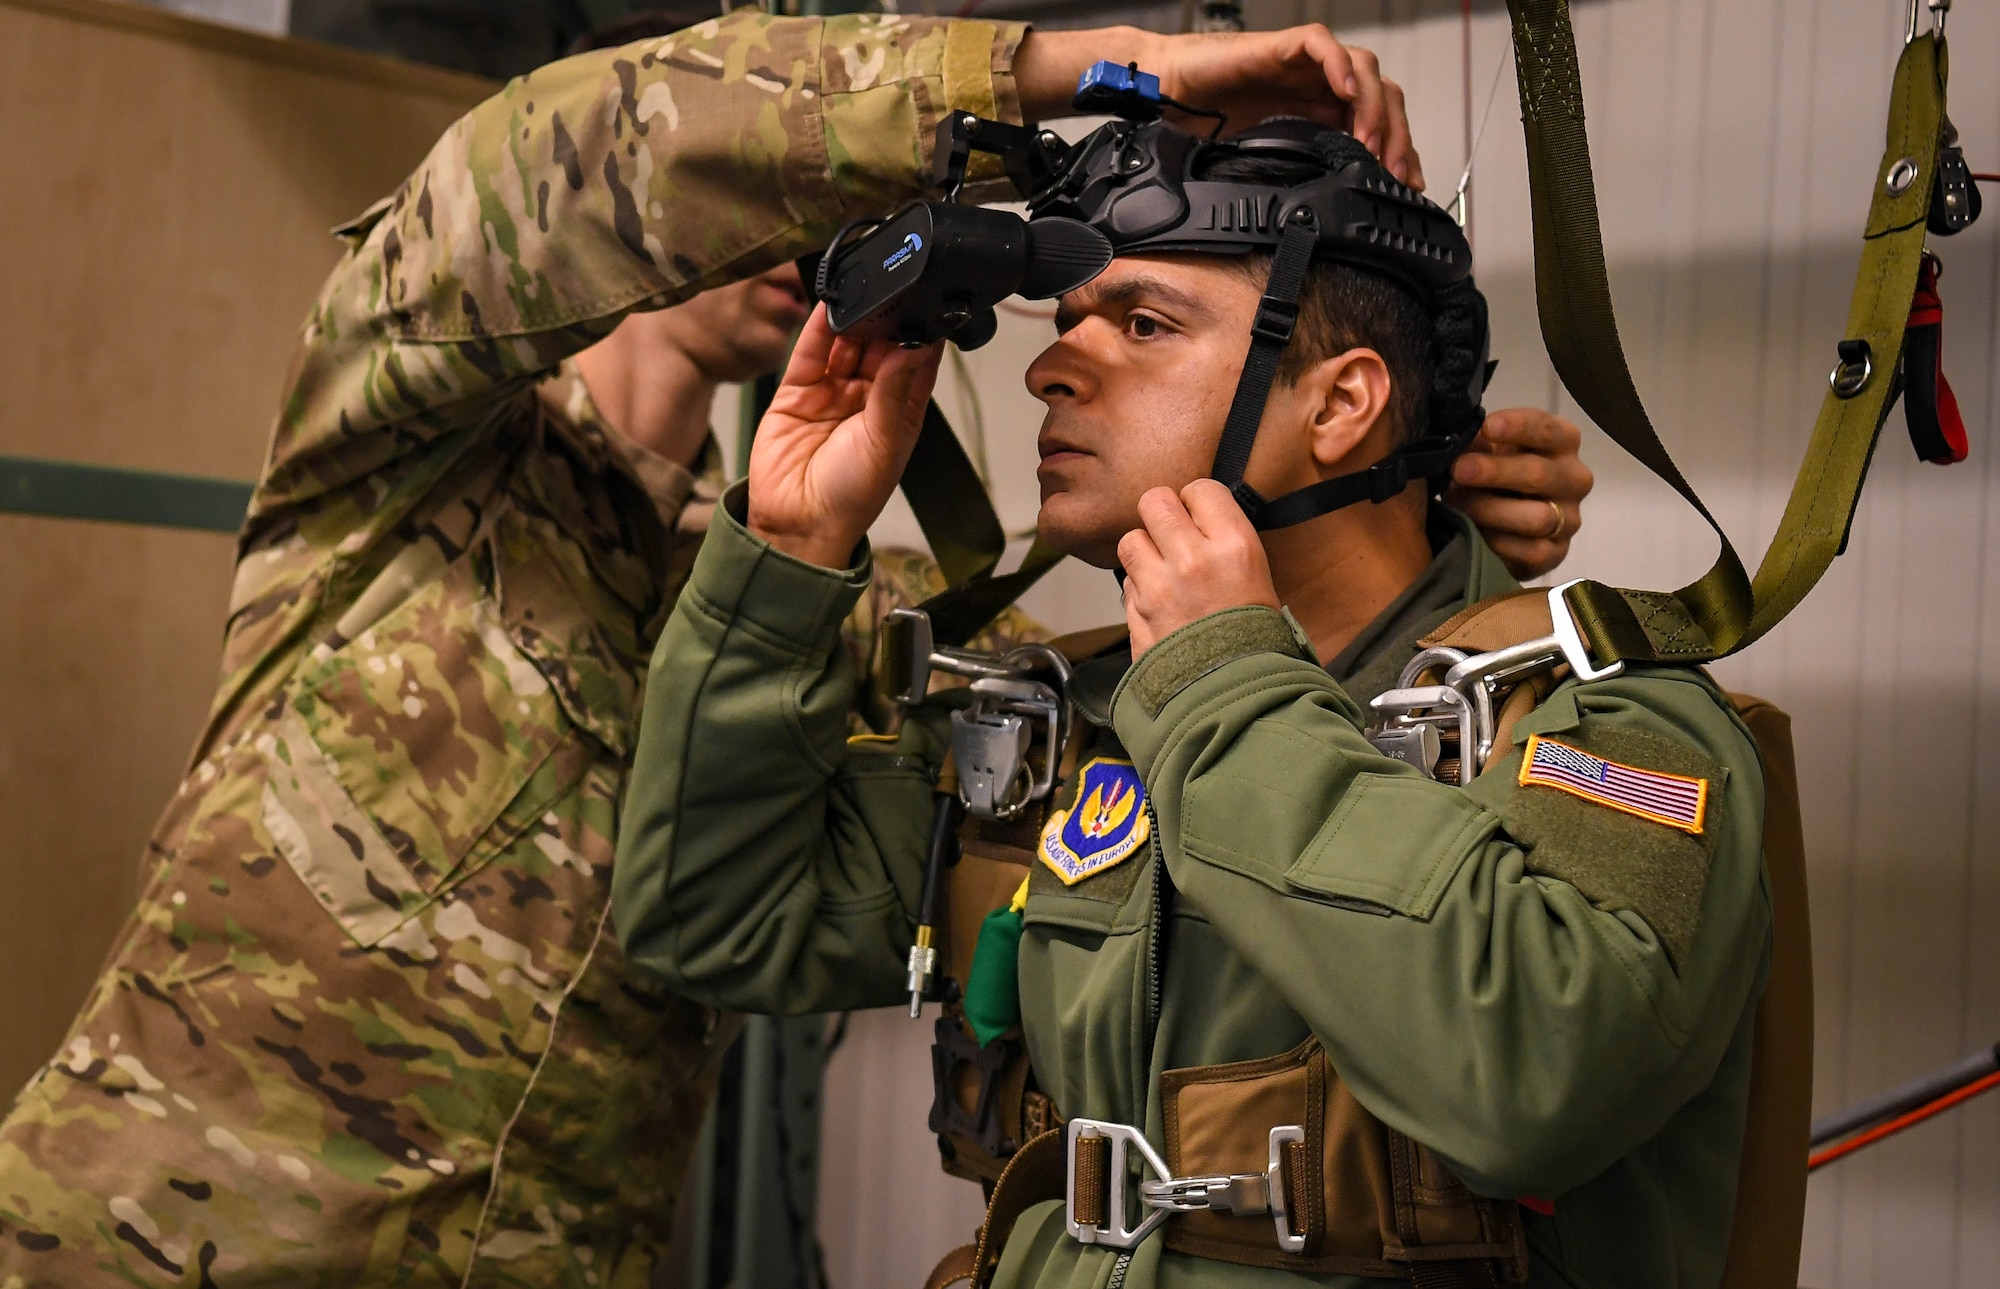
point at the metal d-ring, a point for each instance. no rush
(1854, 370)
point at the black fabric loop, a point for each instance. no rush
(1428, 458)
(1277, 317)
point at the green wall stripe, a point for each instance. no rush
(68, 490)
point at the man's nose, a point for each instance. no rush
(1060, 372)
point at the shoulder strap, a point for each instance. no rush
(1724, 609)
(1505, 620)
(965, 535)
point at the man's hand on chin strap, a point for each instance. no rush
(1196, 555)
(839, 431)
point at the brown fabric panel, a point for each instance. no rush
(1091, 1200)
(1445, 1211)
(1080, 646)
(1218, 1119)
(1496, 623)
(1453, 1275)
(984, 879)
(1037, 1172)
(1444, 1233)
(957, 1267)
(1359, 1198)
(963, 1156)
(1771, 1180)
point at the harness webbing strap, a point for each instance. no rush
(1724, 609)
(959, 613)
(965, 535)
(950, 503)
(1277, 317)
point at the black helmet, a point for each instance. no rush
(1139, 186)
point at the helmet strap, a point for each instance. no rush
(1277, 318)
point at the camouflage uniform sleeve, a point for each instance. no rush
(618, 180)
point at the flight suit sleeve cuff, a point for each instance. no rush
(742, 579)
(1203, 646)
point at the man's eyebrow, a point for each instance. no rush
(1129, 290)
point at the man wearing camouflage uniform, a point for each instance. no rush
(368, 1023)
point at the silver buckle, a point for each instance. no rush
(1244, 1194)
(1570, 639)
(1289, 1240)
(991, 737)
(1114, 1234)
(1407, 723)
(990, 742)
(1407, 726)
(1241, 1194)
(910, 654)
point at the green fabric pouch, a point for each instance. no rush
(992, 987)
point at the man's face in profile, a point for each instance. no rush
(1138, 385)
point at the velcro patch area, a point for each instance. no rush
(1621, 859)
(1675, 800)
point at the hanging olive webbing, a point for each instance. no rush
(1724, 609)
(965, 535)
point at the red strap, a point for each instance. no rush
(1936, 426)
(1927, 310)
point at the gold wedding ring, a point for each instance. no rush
(1556, 532)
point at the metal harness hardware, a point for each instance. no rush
(990, 738)
(1412, 722)
(1242, 1194)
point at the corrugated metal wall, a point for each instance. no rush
(1735, 143)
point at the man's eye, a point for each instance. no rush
(1143, 327)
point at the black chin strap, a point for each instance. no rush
(1277, 318)
(1420, 459)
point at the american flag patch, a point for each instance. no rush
(1670, 799)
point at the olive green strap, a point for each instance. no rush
(1723, 610)
(959, 613)
(951, 504)
(965, 535)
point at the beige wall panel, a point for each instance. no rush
(166, 188)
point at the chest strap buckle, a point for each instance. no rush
(1095, 1202)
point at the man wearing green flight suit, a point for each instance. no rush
(1490, 1033)
(367, 1024)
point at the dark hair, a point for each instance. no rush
(1429, 349)
(645, 25)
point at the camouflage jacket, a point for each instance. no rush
(368, 1024)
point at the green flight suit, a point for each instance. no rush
(1552, 994)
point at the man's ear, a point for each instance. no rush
(1348, 396)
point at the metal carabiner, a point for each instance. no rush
(1940, 10)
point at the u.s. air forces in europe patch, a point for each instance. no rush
(1106, 823)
